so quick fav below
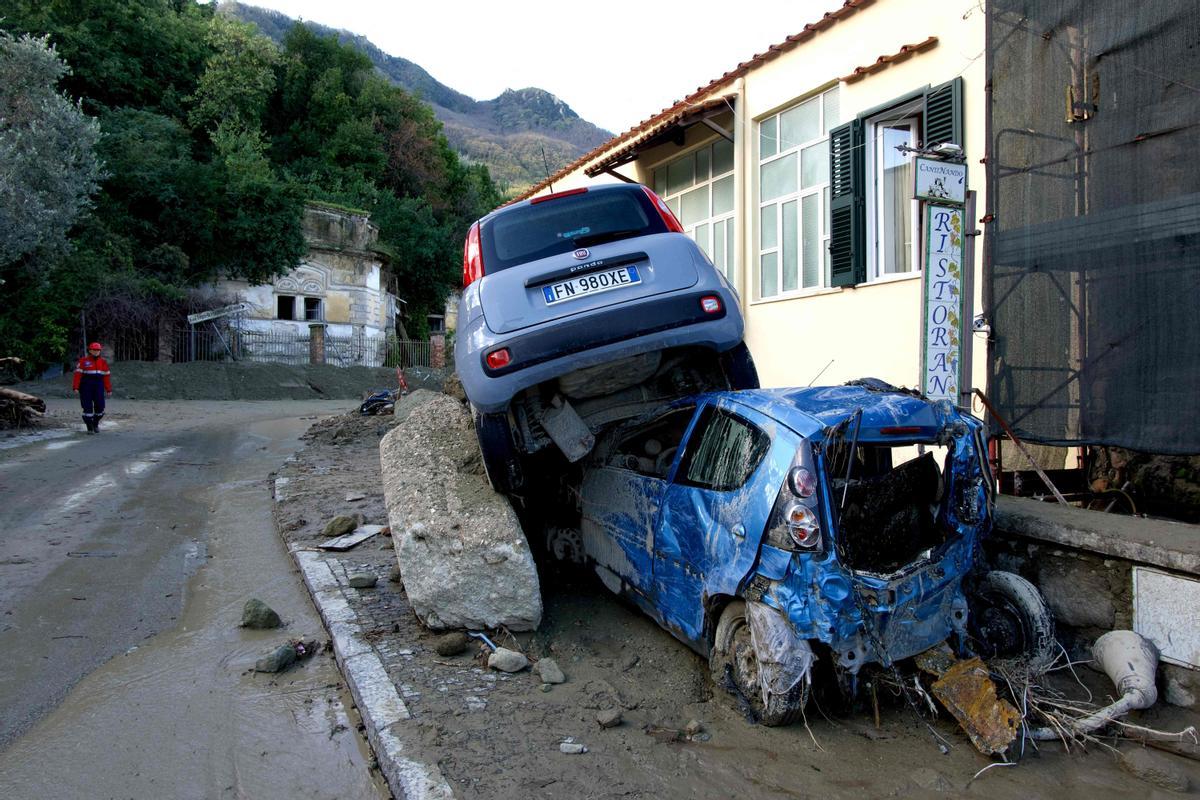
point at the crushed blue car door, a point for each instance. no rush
(708, 537)
(620, 510)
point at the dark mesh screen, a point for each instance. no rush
(1095, 245)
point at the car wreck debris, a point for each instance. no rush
(966, 689)
(1130, 661)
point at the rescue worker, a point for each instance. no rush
(92, 381)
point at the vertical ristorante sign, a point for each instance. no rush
(942, 321)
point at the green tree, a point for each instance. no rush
(238, 78)
(47, 150)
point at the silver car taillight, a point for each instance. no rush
(795, 522)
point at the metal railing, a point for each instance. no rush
(270, 347)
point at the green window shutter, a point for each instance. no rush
(944, 114)
(847, 201)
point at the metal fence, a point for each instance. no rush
(270, 347)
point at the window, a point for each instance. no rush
(541, 229)
(892, 225)
(872, 228)
(285, 307)
(793, 194)
(724, 451)
(651, 450)
(699, 188)
(312, 309)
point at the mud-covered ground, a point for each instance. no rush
(495, 735)
(125, 560)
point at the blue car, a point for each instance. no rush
(581, 309)
(771, 529)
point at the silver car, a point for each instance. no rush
(581, 309)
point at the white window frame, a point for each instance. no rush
(821, 190)
(674, 201)
(910, 111)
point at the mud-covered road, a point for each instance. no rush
(125, 559)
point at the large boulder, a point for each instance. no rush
(462, 553)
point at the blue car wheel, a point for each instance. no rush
(734, 665)
(500, 459)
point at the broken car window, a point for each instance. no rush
(727, 452)
(651, 449)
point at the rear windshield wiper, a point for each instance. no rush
(607, 236)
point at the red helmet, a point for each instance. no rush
(95, 346)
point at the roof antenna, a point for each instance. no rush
(546, 164)
(819, 374)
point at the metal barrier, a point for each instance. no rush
(269, 347)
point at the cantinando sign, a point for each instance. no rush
(942, 300)
(941, 181)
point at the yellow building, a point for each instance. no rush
(786, 170)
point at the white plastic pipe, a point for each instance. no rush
(1130, 661)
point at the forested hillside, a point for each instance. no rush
(508, 133)
(153, 145)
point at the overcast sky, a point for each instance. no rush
(615, 63)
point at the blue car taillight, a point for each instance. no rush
(795, 522)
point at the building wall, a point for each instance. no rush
(874, 328)
(339, 268)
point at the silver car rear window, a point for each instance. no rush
(531, 232)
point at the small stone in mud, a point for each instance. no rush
(277, 660)
(507, 660)
(340, 525)
(257, 614)
(548, 669)
(546, 688)
(363, 580)
(353, 497)
(629, 662)
(693, 727)
(572, 748)
(395, 576)
(451, 644)
(609, 718)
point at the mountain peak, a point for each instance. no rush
(516, 134)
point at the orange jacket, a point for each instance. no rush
(91, 369)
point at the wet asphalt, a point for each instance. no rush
(125, 559)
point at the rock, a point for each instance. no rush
(609, 718)
(507, 660)
(340, 525)
(354, 497)
(363, 580)
(451, 644)
(548, 669)
(464, 556)
(572, 748)
(693, 727)
(277, 660)
(395, 576)
(930, 780)
(259, 615)
(1154, 768)
(629, 662)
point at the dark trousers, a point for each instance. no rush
(91, 397)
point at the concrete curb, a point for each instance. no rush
(383, 710)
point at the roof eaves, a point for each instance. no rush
(826, 21)
(885, 61)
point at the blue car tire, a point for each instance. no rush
(733, 664)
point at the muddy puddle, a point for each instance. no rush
(181, 715)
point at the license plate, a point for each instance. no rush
(594, 283)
